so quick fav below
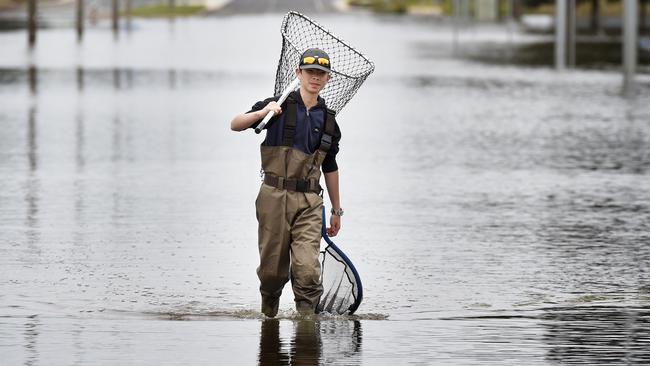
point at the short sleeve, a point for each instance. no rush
(329, 163)
(258, 107)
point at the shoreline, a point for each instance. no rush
(19, 9)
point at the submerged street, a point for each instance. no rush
(497, 214)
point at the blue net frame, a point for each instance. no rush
(342, 287)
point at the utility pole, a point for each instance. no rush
(630, 40)
(511, 11)
(115, 14)
(32, 15)
(517, 9)
(595, 16)
(128, 15)
(560, 34)
(571, 33)
(456, 5)
(643, 15)
(80, 20)
(510, 7)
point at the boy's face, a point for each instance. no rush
(313, 80)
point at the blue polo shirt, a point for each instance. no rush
(309, 129)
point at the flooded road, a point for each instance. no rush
(497, 214)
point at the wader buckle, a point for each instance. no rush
(325, 142)
(302, 185)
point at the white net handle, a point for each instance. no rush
(293, 86)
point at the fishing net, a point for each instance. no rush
(349, 67)
(342, 288)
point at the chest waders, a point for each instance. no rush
(289, 209)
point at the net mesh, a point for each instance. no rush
(349, 67)
(341, 285)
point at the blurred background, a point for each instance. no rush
(494, 171)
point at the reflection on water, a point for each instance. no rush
(598, 335)
(31, 340)
(172, 79)
(32, 143)
(313, 342)
(79, 141)
(33, 79)
(117, 78)
(303, 350)
(32, 188)
(80, 79)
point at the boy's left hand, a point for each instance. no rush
(335, 226)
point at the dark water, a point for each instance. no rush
(497, 214)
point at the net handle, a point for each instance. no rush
(293, 86)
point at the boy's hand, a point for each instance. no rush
(335, 226)
(272, 106)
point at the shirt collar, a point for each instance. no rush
(320, 102)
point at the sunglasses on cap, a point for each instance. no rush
(311, 60)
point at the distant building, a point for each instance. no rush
(487, 10)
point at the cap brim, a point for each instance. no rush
(318, 67)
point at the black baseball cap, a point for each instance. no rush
(315, 58)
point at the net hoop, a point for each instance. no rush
(350, 67)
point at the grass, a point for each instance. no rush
(445, 6)
(583, 9)
(393, 6)
(163, 11)
(402, 6)
(8, 4)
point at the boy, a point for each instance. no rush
(302, 137)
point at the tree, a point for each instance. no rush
(535, 3)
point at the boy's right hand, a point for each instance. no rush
(272, 106)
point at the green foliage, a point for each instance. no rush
(536, 3)
(156, 11)
(394, 6)
(383, 6)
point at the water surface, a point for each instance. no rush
(497, 214)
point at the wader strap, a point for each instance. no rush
(289, 123)
(328, 134)
(294, 185)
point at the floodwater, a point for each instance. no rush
(496, 214)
